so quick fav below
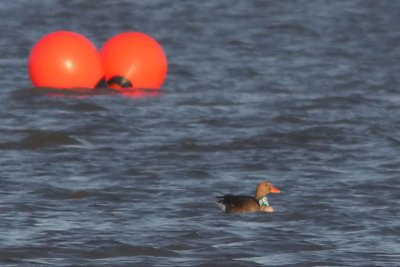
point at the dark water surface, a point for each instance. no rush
(302, 93)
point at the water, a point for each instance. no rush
(302, 93)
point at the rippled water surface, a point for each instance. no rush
(304, 94)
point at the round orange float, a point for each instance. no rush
(63, 60)
(133, 60)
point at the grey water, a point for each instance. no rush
(304, 94)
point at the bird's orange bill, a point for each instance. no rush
(274, 189)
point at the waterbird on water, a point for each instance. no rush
(241, 203)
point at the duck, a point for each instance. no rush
(242, 203)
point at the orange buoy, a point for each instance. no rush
(65, 59)
(135, 60)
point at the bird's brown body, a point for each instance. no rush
(241, 203)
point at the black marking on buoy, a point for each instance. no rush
(102, 83)
(121, 81)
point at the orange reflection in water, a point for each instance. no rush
(139, 93)
(81, 93)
